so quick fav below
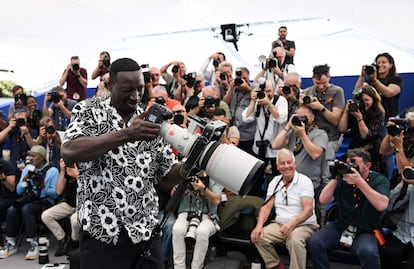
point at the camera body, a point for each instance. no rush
(308, 99)
(190, 78)
(54, 97)
(20, 96)
(175, 69)
(272, 63)
(298, 120)
(400, 125)
(286, 90)
(75, 67)
(262, 143)
(371, 69)
(210, 101)
(158, 113)
(355, 105)
(106, 62)
(338, 168)
(50, 129)
(223, 76)
(20, 122)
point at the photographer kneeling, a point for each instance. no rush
(37, 186)
(197, 220)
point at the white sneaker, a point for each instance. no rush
(7, 250)
(33, 252)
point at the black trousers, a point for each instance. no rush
(123, 255)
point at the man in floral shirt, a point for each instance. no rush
(120, 157)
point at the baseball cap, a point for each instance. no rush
(39, 150)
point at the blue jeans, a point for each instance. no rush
(29, 214)
(364, 246)
(167, 235)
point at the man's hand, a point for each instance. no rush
(143, 130)
(256, 234)
(352, 178)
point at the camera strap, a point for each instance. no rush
(266, 114)
(276, 190)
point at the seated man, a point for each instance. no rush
(291, 194)
(66, 188)
(7, 191)
(197, 220)
(361, 195)
(37, 186)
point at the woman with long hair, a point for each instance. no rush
(363, 121)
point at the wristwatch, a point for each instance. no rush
(323, 109)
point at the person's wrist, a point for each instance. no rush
(359, 120)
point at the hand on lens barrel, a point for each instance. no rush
(143, 130)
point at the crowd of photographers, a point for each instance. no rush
(263, 115)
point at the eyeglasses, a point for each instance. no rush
(284, 197)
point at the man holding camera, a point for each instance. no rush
(120, 156)
(37, 186)
(76, 79)
(50, 140)
(287, 45)
(60, 107)
(307, 142)
(102, 68)
(361, 195)
(197, 220)
(270, 113)
(291, 91)
(291, 195)
(174, 80)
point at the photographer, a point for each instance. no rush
(291, 91)
(76, 79)
(102, 68)
(224, 79)
(287, 45)
(20, 100)
(60, 108)
(216, 59)
(20, 138)
(197, 220)
(50, 140)
(270, 113)
(362, 121)
(102, 88)
(399, 140)
(307, 142)
(66, 207)
(361, 195)
(37, 186)
(173, 81)
(275, 68)
(159, 95)
(208, 102)
(112, 144)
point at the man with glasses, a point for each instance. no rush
(291, 194)
(361, 195)
(291, 91)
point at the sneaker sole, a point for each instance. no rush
(9, 253)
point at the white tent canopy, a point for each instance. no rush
(37, 38)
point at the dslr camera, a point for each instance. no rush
(50, 129)
(75, 67)
(286, 90)
(262, 85)
(355, 105)
(338, 168)
(54, 97)
(308, 99)
(238, 80)
(399, 126)
(146, 74)
(298, 120)
(158, 113)
(271, 62)
(262, 143)
(223, 76)
(175, 69)
(190, 78)
(210, 101)
(20, 122)
(371, 69)
(106, 62)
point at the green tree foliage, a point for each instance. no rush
(6, 88)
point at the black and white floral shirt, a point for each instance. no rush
(117, 190)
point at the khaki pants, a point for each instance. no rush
(295, 243)
(51, 216)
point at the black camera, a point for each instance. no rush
(238, 72)
(399, 126)
(175, 69)
(272, 63)
(54, 97)
(286, 90)
(262, 143)
(216, 63)
(355, 105)
(223, 76)
(147, 77)
(298, 120)
(36, 113)
(160, 100)
(75, 67)
(28, 196)
(308, 99)
(106, 62)
(408, 173)
(190, 78)
(210, 101)
(238, 82)
(20, 122)
(50, 129)
(20, 96)
(178, 119)
(158, 113)
(37, 178)
(371, 69)
(337, 167)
